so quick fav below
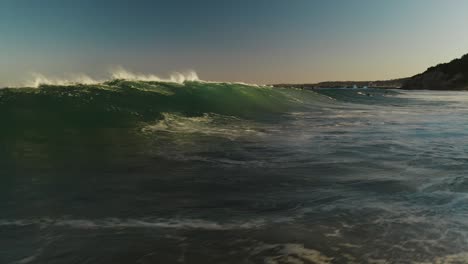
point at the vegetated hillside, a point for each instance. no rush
(446, 76)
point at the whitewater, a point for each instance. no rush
(143, 169)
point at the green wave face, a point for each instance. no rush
(121, 103)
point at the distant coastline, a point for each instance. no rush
(451, 76)
(386, 84)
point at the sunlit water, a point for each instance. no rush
(355, 176)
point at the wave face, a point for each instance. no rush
(120, 102)
(149, 171)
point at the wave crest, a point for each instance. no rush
(176, 77)
(119, 72)
(39, 79)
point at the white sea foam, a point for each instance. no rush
(448, 259)
(38, 79)
(109, 223)
(119, 72)
(177, 77)
(290, 253)
(209, 124)
(26, 260)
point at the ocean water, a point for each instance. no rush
(156, 172)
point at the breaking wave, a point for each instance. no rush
(119, 72)
(124, 102)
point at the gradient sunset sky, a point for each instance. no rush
(257, 41)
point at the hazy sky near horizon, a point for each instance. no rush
(259, 41)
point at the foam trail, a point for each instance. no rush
(290, 253)
(110, 223)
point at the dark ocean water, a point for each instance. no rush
(148, 172)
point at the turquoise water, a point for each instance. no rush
(151, 172)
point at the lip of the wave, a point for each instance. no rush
(110, 223)
(116, 73)
(38, 79)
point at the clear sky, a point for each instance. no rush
(259, 41)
